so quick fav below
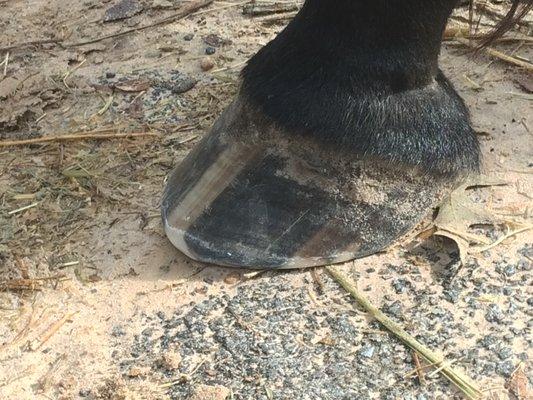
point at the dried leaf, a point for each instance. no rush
(458, 213)
(518, 384)
(8, 86)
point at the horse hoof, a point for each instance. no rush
(251, 195)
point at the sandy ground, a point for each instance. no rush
(95, 303)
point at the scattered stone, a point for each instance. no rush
(171, 360)
(505, 352)
(162, 4)
(153, 53)
(232, 278)
(401, 285)
(123, 9)
(188, 37)
(210, 50)
(394, 309)
(367, 351)
(207, 64)
(136, 371)
(215, 40)
(180, 84)
(505, 368)
(118, 330)
(494, 314)
(206, 392)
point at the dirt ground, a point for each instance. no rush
(95, 303)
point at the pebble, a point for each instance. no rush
(207, 64)
(505, 368)
(163, 4)
(123, 9)
(152, 53)
(118, 330)
(171, 360)
(505, 352)
(136, 371)
(494, 314)
(206, 392)
(395, 309)
(210, 50)
(367, 351)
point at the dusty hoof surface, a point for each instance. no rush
(252, 195)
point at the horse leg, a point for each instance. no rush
(344, 135)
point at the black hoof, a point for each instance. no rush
(250, 195)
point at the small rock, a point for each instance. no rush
(509, 270)
(152, 54)
(171, 360)
(504, 353)
(367, 351)
(188, 37)
(118, 330)
(135, 372)
(215, 40)
(110, 75)
(182, 85)
(394, 309)
(206, 392)
(401, 285)
(123, 9)
(210, 50)
(207, 64)
(163, 4)
(494, 314)
(505, 368)
(232, 278)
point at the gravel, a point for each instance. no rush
(271, 338)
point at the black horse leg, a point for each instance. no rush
(344, 135)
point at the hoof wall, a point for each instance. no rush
(250, 196)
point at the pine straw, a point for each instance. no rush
(458, 379)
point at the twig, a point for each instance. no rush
(503, 238)
(106, 105)
(30, 43)
(64, 138)
(502, 56)
(462, 382)
(276, 18)
(184, 12)
(6, 62)
(452, 32)
(70, 72)
(21, 284)
(13, 212)
(51, 331)
(419, 370)
(255, 9)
